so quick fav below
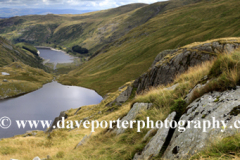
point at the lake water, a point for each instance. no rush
(55, 56)
(44, 104)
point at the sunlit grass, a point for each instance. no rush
(22, 79)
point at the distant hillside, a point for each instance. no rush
(90, 30)
(10, 53)
(133, 54)
(93, 30)
(11, 12)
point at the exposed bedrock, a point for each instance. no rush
(170, 63)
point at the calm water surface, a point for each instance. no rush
(55, 56)
(44, 104)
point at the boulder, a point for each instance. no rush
(123, 96)
(59, 118)
(223, 106)
(36, 158)
(132, 114)
(154, 146)
(5, 80)
(191, 94)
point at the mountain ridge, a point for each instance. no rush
(132, 54)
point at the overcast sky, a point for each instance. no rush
(69, 4)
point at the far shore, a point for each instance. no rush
(43, 47)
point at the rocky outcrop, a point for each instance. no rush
(123, 97)
(191, 95)
(132, 114)
(125, 93)
(170, 63)
(153, 148)
(59, 118)
(223, 106)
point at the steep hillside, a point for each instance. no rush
(87, 30)
(10, 53)
(21, 69)
(212, 86)
(93, 30)
(133, 54)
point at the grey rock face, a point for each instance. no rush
(161, 55)
(54, 124)
(153, 148)
(151, 131)
(171, 63)
(132, 114)
(123, 97)
(223, 106)
(229, 48)
(190, 95)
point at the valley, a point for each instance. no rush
(171, 60)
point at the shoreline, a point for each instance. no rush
(22, 93)
(53, 49)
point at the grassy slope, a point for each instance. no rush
(23, 66)
(103, 146)
(22, 79)
(91, 30)
(28, 48)
(10, 53)
(88, 30)
(134, 53)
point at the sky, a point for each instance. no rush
(70, 4)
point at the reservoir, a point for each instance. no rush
(55, 56)
(45, 103)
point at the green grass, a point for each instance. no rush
(224, 74)
(227, 148)
(90, 30)
(127, 144)
(22, 79)
(133, 54)
(27, 47)
(10, 53)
